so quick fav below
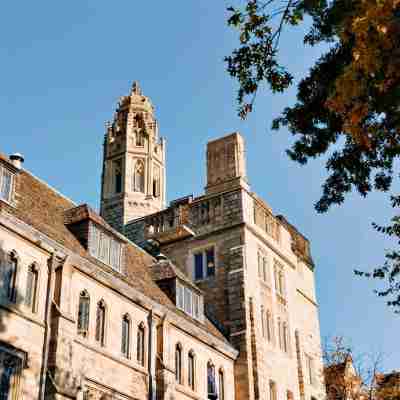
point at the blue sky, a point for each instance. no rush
(63, 67)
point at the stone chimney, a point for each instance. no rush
(226, 164)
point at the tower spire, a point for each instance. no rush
(133, 179)
(136, 89)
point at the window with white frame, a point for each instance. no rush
(106, 249)
(6, 183)
(204, 263)
(188, 301)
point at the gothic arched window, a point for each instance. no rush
(138, 177)
(285, 337)
(101, 323)
(156, 182)
(140, 345)
(140, 138)
(269, 326)
(83, 313)
(32, 287)
(126, 336)
(178, 363)
(10, 277)
(118, 176)
(191, 370)
(211, 378)
(221, 385)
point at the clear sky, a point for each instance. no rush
(63, 66)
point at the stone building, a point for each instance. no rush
(209, 297)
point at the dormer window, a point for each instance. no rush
(188, 301)
(105, 248)
(6, 183)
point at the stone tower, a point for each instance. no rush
(133, 177)
(226, 164)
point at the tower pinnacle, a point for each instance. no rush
(136, 89)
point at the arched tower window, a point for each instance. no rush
(83, 313)
(140, 138)
(118, 176)
(138, 177)
(32, 287)
(178, 363)
(140, 344)
(156, 182)
(101, 322)
(126, 336)
(191, 370)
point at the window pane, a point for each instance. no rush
(178, 364)
(10, 366)
(210, 262)
(191, 371)
(125, 337)
(188, 301)
(198, 266)
(259, 265)
(31, 288)
(94, 241)
(179, 296)
(196, 306)
(115, 255)
(5, 184)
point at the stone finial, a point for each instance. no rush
(136, 88)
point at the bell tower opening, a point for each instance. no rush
(133, 177)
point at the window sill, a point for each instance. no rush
(102, 350)
(208, 278)
(9, 203)
(186, 391)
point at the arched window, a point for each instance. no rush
(262, 321)
(221, 385)
(83, 313)
(10, 277)
(140, 345)
(126, 336)
(32, 287)
(156, 182)
(140, 138)
(289, 395)
(118, 176)
(211, 378)
(285, 337)
(178, 363)
(191, 370)
(269, 326)
(101, 323)
(138, 177)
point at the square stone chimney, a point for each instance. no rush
(226, 164)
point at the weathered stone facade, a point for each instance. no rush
(210, 297)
